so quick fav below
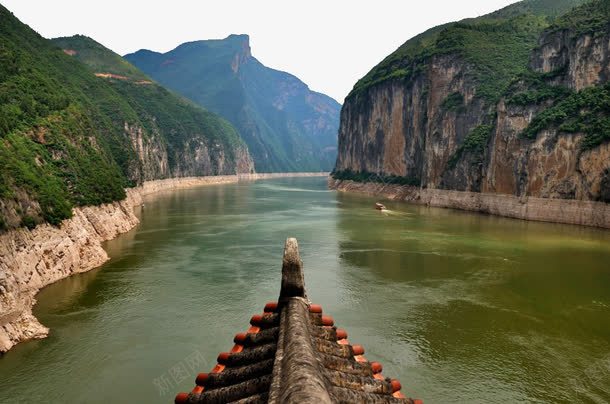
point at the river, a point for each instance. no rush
(460, 307)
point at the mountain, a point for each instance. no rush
(515, 102)
(287, 126)
(71, 138)
(99, 58)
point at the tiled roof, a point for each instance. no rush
(292, 353)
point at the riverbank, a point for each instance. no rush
(535, 295)
(584, 213)
(33, 259)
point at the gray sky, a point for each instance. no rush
(329, 44)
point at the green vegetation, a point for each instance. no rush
(548, 8)
(474, 143)
(496, 49)
(62, 130)
(587, 111)
(74, 177)
(28, 221)
(532, 88)
(159, 110)
(365, 176)
(497, 46)
(605, 187)
(273, 111)
(45, 121)
(453, 102)
(590, 18)
(98, 58)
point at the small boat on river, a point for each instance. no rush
(380, 206)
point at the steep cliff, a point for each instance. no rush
(30, 260)
(287, 126)
(515, 102)
(74, 136)
(171, 136)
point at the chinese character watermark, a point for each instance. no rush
(179, 372)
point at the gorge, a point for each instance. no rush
(144, 200)
(454, 304)
(287, 126)
(512, 103)
(84, 135)
(31, 260)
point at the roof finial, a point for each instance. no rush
(293, 280)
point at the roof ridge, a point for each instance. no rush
(312, 360)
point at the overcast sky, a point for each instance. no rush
(329, 44)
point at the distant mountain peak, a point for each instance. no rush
(240, 37)
(287, 127)
(243, 54)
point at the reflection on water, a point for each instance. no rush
(458, 306)
(484, 308)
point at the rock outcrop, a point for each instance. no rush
(192, 158)
(435, 128)
(33, 259)
(287, 126)
(30, 260)
(80, 125)
(584, 58)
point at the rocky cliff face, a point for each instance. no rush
(286, 126)
(30, 260)
(194, 157)
(170, 138)
(404, 130)
(553, 165)
(33, 259)
(77, 127)
(152, 157)
(584, 58)
(436, 130)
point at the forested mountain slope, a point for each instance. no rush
(287, 126)
(514, 102)
(69, 138)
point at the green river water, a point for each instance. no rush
(459, 307)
